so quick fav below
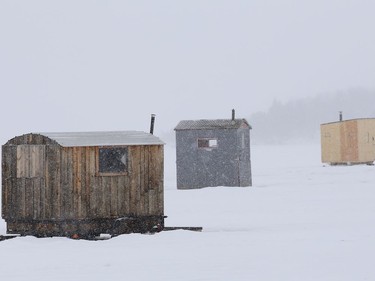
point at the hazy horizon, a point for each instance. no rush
(107, 65)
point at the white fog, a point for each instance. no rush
(286, 66)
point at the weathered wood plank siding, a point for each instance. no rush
(156, 178)
(8, 173)
(43, 181)
(134, 155)
(87, 194)
(52, 196)
(146, 177)
(67, 211)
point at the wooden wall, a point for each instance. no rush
(351, 141)
(366, 139)
(63, 183)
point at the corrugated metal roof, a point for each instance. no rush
(103, 138)
(211, 124)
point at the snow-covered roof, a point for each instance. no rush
(71, 139)
(204, 124)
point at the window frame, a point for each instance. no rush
(200, 140)
(110, 174)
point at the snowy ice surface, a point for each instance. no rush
(301, 220)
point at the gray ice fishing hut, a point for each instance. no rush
(213, 153)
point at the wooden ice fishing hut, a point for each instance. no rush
(213, 153)
(82, 184)
(348, 142)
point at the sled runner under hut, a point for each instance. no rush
(83, 184)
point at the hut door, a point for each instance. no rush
(30, 161)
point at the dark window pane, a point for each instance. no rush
(203, 143)
(210, 143)
(112, 160)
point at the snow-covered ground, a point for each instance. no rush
(301, 220)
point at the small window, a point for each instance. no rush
(113, 160)
(207, 143)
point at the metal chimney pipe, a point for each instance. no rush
(233, 114)
(152, 124)
(340, 115)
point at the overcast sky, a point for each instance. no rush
(107, 65)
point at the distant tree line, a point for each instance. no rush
(299, 120)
